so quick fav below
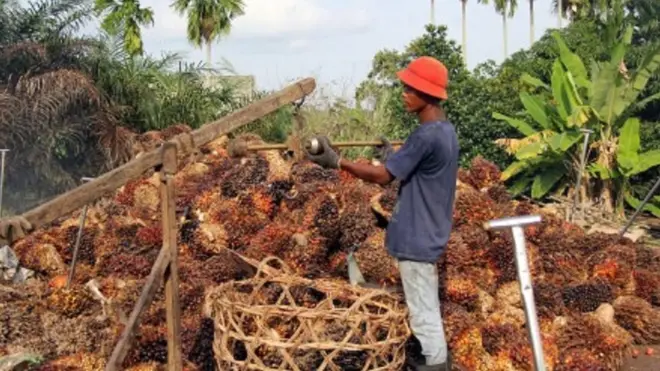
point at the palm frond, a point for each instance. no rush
(22, 48)
(63, 80)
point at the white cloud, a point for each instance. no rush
(298, 44)
(266, 19)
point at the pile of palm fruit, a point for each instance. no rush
(596, 294)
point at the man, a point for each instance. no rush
(427, 166)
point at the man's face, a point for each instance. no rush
(412, 101)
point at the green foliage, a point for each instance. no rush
(273, 128)
(157, 93)
(125, 18)
(631, 161)
(70, 106)
(546, 155)
(472, 96)
(208, 19)
(600, 101)
(51, 113)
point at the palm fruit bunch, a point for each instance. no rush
(265, 205)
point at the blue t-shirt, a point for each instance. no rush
(427, 166)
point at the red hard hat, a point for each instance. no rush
(428, 75)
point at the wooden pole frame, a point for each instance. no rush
(164, 160)
(165, 267)
(170, 233)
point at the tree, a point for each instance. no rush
(601, 101)
(432, 11)
(581, 9)
(506, 8)
(472, 96)
(125, 18)
(464, 25)
(464, 29)
(644, 15)
(52, 115)
(73, 106)
(531, 22)
(208, 20)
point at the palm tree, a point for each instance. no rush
(506, 8)
(125, 17)
(52, 114)
(646, 16)
(560, 12)
(576, 9)
(464, 28)
(433, 12)
(464, 25)
(531, 22)
(208, 19)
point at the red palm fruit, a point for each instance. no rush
(647, 285)
(468, 351)
(614, 265)
(564, 267)
(587, 341)
(472, 207)
(639, 318)
(308, 256)
(647, 258)
(483, 173)
(463, 291)
(587, 297)
(375, 263)
(274, 239)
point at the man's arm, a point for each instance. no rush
(370, 173)
(399, 165)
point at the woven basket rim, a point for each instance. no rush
(363, 328)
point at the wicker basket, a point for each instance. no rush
(279, 321)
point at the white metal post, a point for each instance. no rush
(525, 278)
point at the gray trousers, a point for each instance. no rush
(420, 287)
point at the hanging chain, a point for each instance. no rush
(295, 141)
(297, 115)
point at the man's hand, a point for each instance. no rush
(14, 228)
(384, 150)
(328, 158)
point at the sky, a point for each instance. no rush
(334, 41)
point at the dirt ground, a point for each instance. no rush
(643, 362)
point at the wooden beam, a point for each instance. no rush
(148, 292)
(168, 208)
(186, 143)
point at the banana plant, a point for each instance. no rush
(630, 161)
(546, 157)
(601, 99)
(614, 97)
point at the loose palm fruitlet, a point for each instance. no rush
(266, 205)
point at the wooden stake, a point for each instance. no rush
(153, 283)
(174, 359)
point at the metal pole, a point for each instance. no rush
(640, 207)
(81, 226)
(2, 177)
(583, 160)
(525, 279)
